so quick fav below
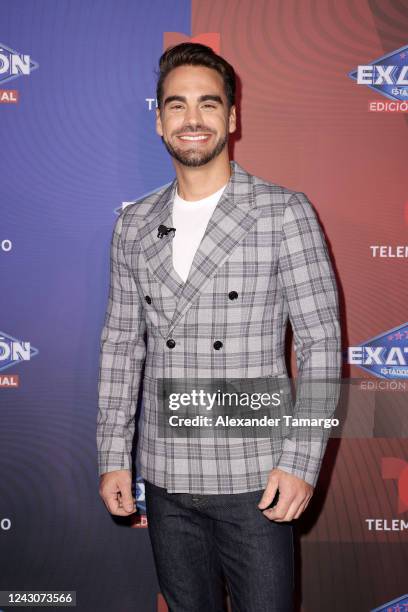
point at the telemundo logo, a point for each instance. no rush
(5, 525)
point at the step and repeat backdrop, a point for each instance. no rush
(323, 104)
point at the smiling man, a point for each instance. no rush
(209, 270)
(214, 134)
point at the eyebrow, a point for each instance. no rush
(200, 99)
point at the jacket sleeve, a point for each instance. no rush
(122, 354)
(309, 285)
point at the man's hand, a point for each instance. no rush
(294, 496)
(115, 488)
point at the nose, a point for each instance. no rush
(193, 116)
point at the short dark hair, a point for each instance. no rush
(195, 54)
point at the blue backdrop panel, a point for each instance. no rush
(79, 142)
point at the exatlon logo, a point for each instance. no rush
(12, 352)
(388, 76)
(140, 494)
(385, 356)
(396, 605)
(139, 519)
(13, 65)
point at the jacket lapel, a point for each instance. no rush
(231, 220)
(157, 251)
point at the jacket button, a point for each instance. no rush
(217, 344)
(233, 295)
(171, 343)
(148, 299)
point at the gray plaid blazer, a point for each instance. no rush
(263, 242)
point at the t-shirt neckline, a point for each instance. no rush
(202, 201)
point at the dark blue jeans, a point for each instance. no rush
(199, 539)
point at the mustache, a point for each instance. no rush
(189, 128)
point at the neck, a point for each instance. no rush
(201, 182)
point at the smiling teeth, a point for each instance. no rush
(193, 137)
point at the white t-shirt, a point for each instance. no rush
(190, 218)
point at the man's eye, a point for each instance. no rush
(210, 105)
(176, 106)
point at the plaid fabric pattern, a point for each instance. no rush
(262, 241)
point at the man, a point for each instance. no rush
(210, 268)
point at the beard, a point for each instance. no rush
(194, 157)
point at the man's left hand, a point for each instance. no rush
(294, 496)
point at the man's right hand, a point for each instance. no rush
(115, 488)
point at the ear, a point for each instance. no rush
(159, 128)
(232, 120)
